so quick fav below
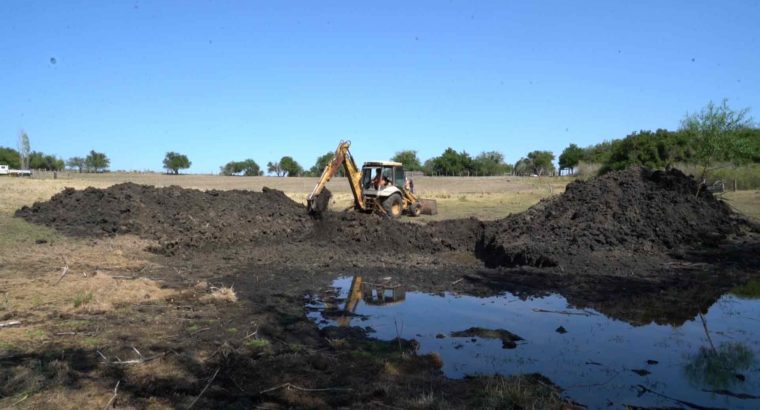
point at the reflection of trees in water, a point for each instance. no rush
(750, 290)
(718, 367)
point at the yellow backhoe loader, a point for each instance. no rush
(387, 192)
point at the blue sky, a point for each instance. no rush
(229, 80)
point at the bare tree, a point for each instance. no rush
(24, 149)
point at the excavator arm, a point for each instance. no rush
(317, 201)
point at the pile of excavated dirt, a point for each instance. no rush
(620, 219)
(620, 216)
(186, 219)
(174, 216)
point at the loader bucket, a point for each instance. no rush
(319, 204)
(429, 206)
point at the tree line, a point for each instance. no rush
(93, 162)
(715, 135)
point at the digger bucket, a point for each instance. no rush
(428, 207)
(317, 205)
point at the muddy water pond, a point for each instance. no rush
(711, 361)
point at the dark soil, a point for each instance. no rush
(636, 245)
(174, 216)
(628, 214)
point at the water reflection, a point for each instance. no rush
(379, 293)
(750, 290)
(597, 360)
(719, 368)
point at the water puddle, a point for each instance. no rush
(711, 360)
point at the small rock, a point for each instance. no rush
(561, 330)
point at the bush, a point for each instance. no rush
(746, 176)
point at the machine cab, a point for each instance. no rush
(382, 178)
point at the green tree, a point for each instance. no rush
(247, 167)
(174, 161)
(275, 168)
(491, 163)
(570, 158)
(409, 159)
(96, 162)
(322, 161)
(644, 148)
(231, 168)
(714, 131)
(38, 160)
(290, 166)
(597, 154)
(10, 157)
(523, 167)
(76, 162)
(251, 168)
(452, 163)
(541, 162)
(750, 137)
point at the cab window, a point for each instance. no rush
(388, 173)
(399, 181)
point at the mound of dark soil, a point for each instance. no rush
(631, 213)
(189, 219)
(621, 218)
(174, 216)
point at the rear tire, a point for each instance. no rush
(393, 206)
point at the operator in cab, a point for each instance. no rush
(380, 181)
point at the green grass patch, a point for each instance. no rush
(257, 344)
(91, 342)
(18, 231)
(72, 324)
(82, 298)
(35, 334)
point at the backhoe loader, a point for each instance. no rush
(387, 193)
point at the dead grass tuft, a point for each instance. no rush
(221, 294)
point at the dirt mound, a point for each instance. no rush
(174, 216)
(187, 219)
(622, 214)
(624, 220)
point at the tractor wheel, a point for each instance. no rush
(393, 206)
(415, 210)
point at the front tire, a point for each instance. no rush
(393, 206)
(415, 210)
